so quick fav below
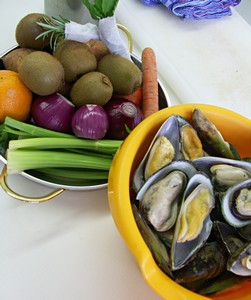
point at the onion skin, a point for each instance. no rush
(53, 112)
(122, 113)
(90, 121)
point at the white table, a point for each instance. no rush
(67, 248)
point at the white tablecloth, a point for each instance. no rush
(69, 248)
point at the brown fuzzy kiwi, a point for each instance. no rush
(27, 30)
(12, 60)
(42, 73)
(98, 48)
(76, 58)
(124, 75)
(91, 88)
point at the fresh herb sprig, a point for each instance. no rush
(101, 9)
(53, 27)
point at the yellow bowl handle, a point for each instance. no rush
(128, 35)
(10, 192)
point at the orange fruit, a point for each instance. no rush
(15, 97)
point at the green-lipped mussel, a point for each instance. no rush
(194, 194)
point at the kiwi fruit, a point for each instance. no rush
(91, 88)
(42, 73)
(98, 48)
(124, 75)
(12, 60)
(27, 30)
(76, 58)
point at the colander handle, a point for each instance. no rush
(13, 194)
(128, 35)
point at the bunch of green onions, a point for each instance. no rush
(57, 157)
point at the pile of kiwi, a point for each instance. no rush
(83, 72)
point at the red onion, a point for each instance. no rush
(53, 112)
(90, 121)
(121, 113)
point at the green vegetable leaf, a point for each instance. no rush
(108, 7)
(101, 9)
(4, 138)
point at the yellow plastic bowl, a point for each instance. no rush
(235, 128)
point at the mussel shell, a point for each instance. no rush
(227, 236)
(161, 200)
(204, 164)
(236, 263)
(169, 129)
(155, 245)
(228, 204)
(186, 167)
(208, 263)
(160, 178)
(212, 140)
(182, 252)
(245, 232)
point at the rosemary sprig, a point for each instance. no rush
(53, 27)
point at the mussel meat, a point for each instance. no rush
(236, 204)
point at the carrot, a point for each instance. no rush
(135, 97)
(150, 100)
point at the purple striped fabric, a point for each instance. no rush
(197, 9)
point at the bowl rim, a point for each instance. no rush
(165, 100)
(125, 222)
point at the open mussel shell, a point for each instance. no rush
(223, 172)
(156, 246)
(239, 263)
(193, 225)
(170, 130)
(236, 204)
(159, 197)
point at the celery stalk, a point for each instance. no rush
(66, 180)
(23, 128)
(104, 146)
(75, 173)
(21, 160)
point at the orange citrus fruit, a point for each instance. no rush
(15, 97)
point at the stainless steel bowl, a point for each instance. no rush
(164, 102)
